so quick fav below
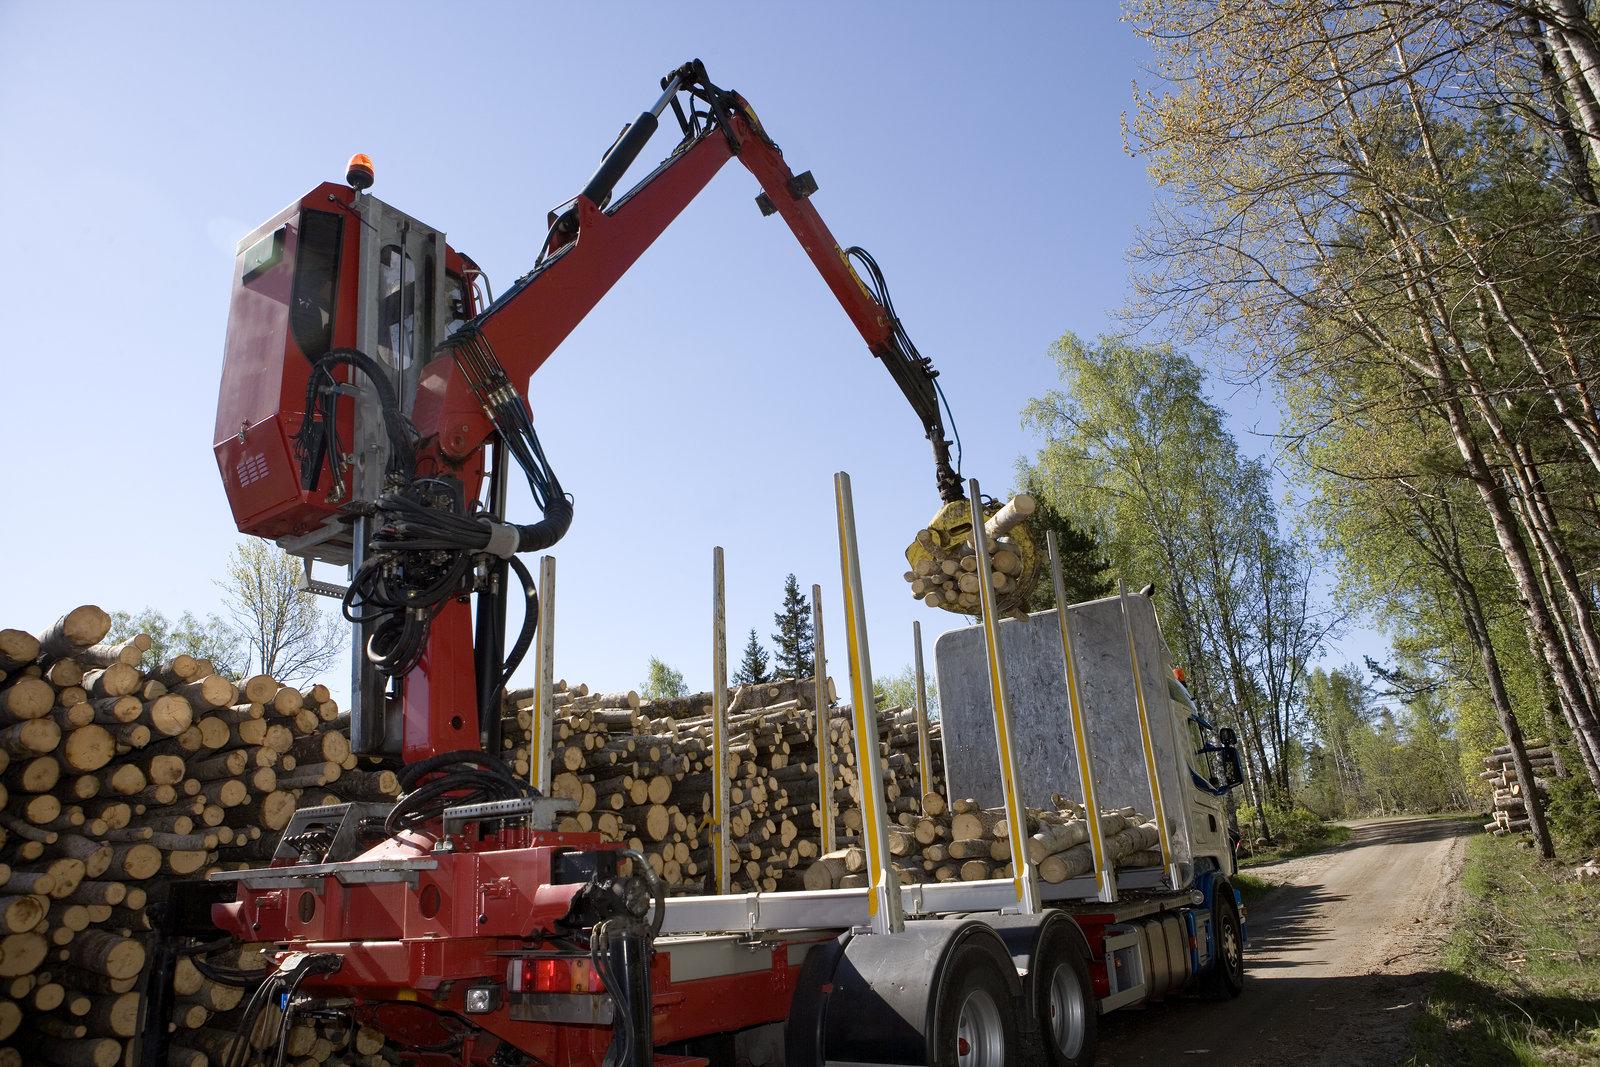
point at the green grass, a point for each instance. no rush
(1520, 977)
(1327, 835)
(1251, 888)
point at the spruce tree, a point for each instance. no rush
(793, 639)
(753, 668)
(1084, 565)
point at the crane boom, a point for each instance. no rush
(371, 406)
(592, 243)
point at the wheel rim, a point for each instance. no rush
(1230, 946)
(1066, 1011)
(980, 1032)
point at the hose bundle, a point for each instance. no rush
(426, 540)
(448, 780)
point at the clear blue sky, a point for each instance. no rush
(974, 149)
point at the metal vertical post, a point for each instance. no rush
(883, 897)
(924, 749)
(719, 726)
(1102, 871)
(820, 702)
(1160, 814)
(544, 684)
(999, 699)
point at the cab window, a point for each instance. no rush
(397, 307)
(316, 277)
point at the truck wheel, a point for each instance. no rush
(1225, 979)
(1063, 998)
(977, 1023)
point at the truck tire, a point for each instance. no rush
(1225, 979)
(976, 1013)
(1063, 998)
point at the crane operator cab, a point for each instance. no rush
(339, 304)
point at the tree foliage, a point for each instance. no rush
(899, 689)
(1085, 571)
(1135, 452)
(285, 631)
(210, 638)
(793, 641)
(661, 682)
(1389, 211)
(752, 668)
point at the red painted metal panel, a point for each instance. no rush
(441, 692)
(264, 375)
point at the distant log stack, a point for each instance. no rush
(640, 771)
(968, 843)
(116, 775)
(1510, 806)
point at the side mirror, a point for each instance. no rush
(1231, 769)
(1226, 735)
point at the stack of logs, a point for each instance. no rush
(115, 777)
(640, 772)
(1510, 806)
(967, 843)
(944, 570)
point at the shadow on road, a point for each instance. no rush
(1355, 1020)
(1289, 918)
(1406, 831)
(1322, 984)
(1359, 1019)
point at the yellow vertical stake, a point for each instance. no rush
(820, 702)
(883, 897)
(719, 725)
(924, 747)
(1010, 783)
(1160, 813)
(1103, 874)
(544, 674)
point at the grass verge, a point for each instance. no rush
(1326, 835)
(1251, 888)
(1520, 977)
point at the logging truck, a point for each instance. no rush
(1011, 968)
(372, 407)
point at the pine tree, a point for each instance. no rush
(794, 641)
(753, 668)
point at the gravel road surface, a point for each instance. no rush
(1341, 955)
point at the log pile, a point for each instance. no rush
(1510, 806)
(944, 563)
(967, 843)
(640, 772)
(116, 775)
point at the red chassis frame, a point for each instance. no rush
(410, 950)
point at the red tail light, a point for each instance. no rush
(555, 975)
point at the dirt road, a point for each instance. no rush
(1340, 956)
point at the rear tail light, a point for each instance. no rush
(560, 974)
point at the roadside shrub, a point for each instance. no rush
(1294, 828)
(1574, 812)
